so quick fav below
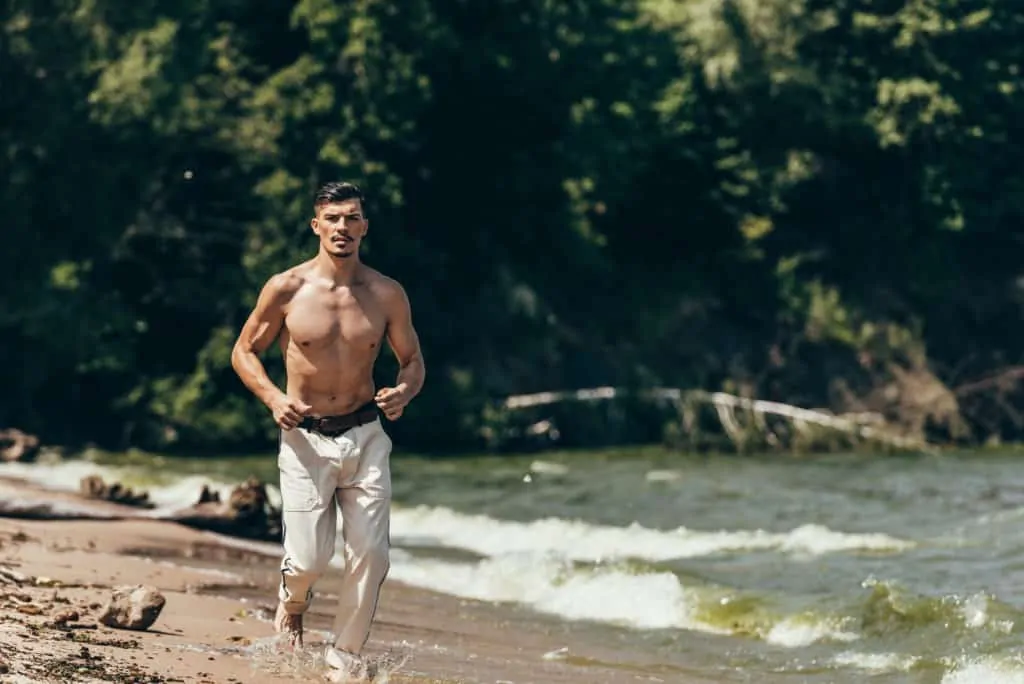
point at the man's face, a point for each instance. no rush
(341, 227)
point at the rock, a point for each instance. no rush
(66, 616)
(93, 487)
(16, 445)
(133, 607)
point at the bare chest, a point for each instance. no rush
(318, 320)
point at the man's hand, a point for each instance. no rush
(392, 401)
(288, 411)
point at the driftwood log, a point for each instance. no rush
(16, 445)
(247, 513)
(93, 487)
(868, 428)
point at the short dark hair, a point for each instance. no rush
(337, 191)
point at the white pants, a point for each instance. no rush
(322, 477)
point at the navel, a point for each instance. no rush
(372, 345)
(305, 344)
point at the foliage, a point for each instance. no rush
(810, 201)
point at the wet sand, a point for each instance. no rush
(216, 624)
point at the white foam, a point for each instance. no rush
(875, 662)
(797, 631)
(663, 475)
(550, 585)
(548, 468)
(62, 476)
(976, 611)
(56, 508)
(547, 584)
(991, 670)
(586, 542)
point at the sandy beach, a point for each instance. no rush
(57, 576)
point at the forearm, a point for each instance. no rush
(411, 376)
(253, 375)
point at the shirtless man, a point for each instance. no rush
(330, 315)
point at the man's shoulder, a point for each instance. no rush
(284, 284)
(388, 292)
(383, 285)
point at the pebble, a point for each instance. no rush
(133, 607)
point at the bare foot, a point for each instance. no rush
(290, 625)
(346, 667)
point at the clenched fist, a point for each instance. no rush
(288, 411)
(392, 401)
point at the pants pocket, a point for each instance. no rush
(298, 493)
(298, 472)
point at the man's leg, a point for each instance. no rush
(365, 502)
(309, 526)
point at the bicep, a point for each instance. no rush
(266, 319)
(401, 333)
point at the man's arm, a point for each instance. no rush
(405, 344)
(258, 333)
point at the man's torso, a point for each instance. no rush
(330, 340)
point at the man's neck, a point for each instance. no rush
(340, 270)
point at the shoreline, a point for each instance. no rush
(216, 623)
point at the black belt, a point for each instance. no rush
(332, 426)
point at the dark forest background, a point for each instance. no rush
(814, 202)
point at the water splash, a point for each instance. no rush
(273, 656)
(889, 610)
(987, 670)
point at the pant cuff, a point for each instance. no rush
(293, 607)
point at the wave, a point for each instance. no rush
(986, 670)
(575, 570)
(486, 536)
(617, 596)
(581, 541)
(875, 663)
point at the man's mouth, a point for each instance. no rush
(341, 242)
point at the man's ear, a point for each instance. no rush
(313, 223)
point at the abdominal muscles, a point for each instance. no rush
(331, 371)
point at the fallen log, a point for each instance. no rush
(93, 487)
(246, 514)
(869, 428)
(16, 445)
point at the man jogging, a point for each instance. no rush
(330, 315)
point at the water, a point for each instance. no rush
(777, 569)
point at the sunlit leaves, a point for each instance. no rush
(132, 86)
(572, 192)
